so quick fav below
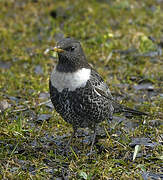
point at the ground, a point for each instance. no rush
(123, 41)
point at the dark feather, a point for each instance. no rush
(118, 107)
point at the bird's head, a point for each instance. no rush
(71, 55)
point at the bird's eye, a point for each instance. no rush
(72, 48)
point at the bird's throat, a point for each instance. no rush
(70, 80)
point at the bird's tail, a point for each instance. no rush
(118, 108)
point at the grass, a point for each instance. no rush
(31, 149)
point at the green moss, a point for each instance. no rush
(146, 45)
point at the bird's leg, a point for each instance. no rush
(94, 137)
(69, 141)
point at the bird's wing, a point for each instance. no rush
(99, 85)
(102, 89)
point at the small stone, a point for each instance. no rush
(44, 95)
(144, 86)
(43, 117)
(38, 69)
(4, 105)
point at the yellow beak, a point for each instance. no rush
(58, 49)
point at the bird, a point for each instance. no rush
(77, 91)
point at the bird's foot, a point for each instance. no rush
(67, 147)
